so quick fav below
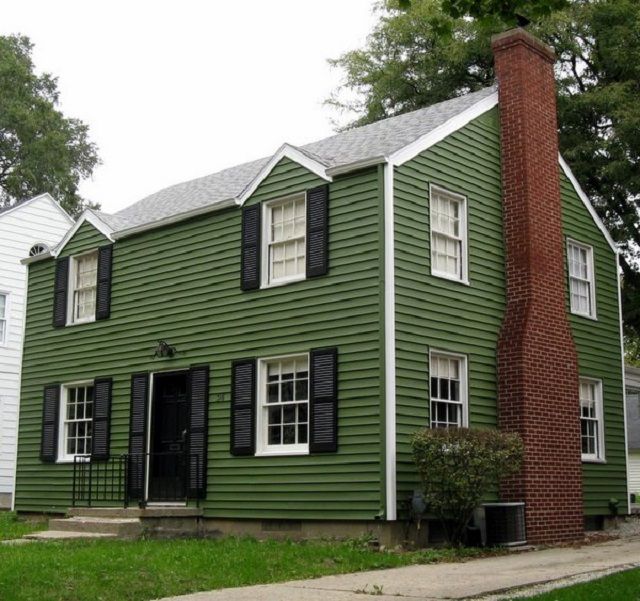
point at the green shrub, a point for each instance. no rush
(458, 467)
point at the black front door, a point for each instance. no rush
(169, 418)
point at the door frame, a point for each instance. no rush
(152, 380)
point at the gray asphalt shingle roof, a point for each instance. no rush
(382, 138)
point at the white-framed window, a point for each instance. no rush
(447, 390)
(83, 278)
(581, 279)
(284, 240)
(448, 219)
(76, 420)
(38, 248)
(4, 318)
(283, 405)
(591, 420)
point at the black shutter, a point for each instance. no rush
(318, 231)
(198, 428)
(243, 407)
(323, 395)
(60, 292)
(250, 254)
(101, 432)
(138, 435)
(50, 412)
(103, 295)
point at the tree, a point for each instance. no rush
(41, 150)
(423, 55)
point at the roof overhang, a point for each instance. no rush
(88, 216)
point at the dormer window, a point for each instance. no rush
(84, 280)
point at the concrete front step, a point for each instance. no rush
(121, 527)
(135, 512)
(65, 535)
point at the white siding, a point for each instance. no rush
(634, 474)
(37, 220)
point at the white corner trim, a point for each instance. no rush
(587, 203)
(285, 151)
(456, 122)
(389, 346)
(90, 217)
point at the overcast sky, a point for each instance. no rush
(176, 90)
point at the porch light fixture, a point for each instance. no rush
(164, 349)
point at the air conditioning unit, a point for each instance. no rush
(505, 524)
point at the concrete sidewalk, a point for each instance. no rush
(482, 577)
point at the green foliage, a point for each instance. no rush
(13, 527)
(423, 55)
(41, 150)
(632, 350)
(505, 9)
(458, 466)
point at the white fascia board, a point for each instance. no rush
(349, 167)
(45, 196)
(408, 152)
(285, 151)
(587, 203)
(389, 346)
(89, 216)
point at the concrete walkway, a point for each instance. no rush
(491, 577)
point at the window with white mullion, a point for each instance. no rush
(3, 317)
(591, 419)
(77, 420)
(286, 239)
(581, 280)
(85, 281)
(448, 234)
(447, 385)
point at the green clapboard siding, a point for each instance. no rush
(181, 283)
(599, 356)
(435, 313)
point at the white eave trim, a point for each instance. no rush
(349, 167)
(46, 196)
(87, 216)
(408, 152)
(587, 203)
(285, 151)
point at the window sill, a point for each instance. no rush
(281, 452)
(593, 460)
(282, 282)
(80, 322)
(585, 315)
(450, 278)
(71, 460)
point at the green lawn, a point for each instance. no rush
(13, 527)
(111, 570)
(623, 586)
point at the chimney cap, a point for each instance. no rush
(516, 36)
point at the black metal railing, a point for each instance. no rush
(136, 478)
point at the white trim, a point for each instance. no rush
(464, 381)
(587, 203)
(7, 301)
(389, 345)
(71, 289)
(624, 392)
(406, 153)
(464, 235)
(362, 164)
(592, 278)
(46, 195)
(600, 455)
(285, 151)
(90, 217)
(62, 456)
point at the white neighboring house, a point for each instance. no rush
(30, 227)
(632, 386)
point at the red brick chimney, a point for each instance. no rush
(537, 359)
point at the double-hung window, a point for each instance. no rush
(4, 318)
(581, 279)
(591, 421)
(448, 390)
(76, 420)
(84, 281)
(284, 250)
(448, 234)
(283, 405)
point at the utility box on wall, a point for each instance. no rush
(505, 524)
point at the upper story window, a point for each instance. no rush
(591, 420)
(38, 249)
(76, 421)
(283, 405)
(448, 390)
(284, 247)
(448, 234)
(84, 281)
(4, 318)
(581, 279)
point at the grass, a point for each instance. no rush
(13, 527)
(112, 570)
(623, 586)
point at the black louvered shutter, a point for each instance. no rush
(60, 292)
(243, 407)
(103, 295)
(250, 254)
(101, 432)
(138, 435)
(318, 231)
(50, 412)
(323, 395)
(198, 428)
